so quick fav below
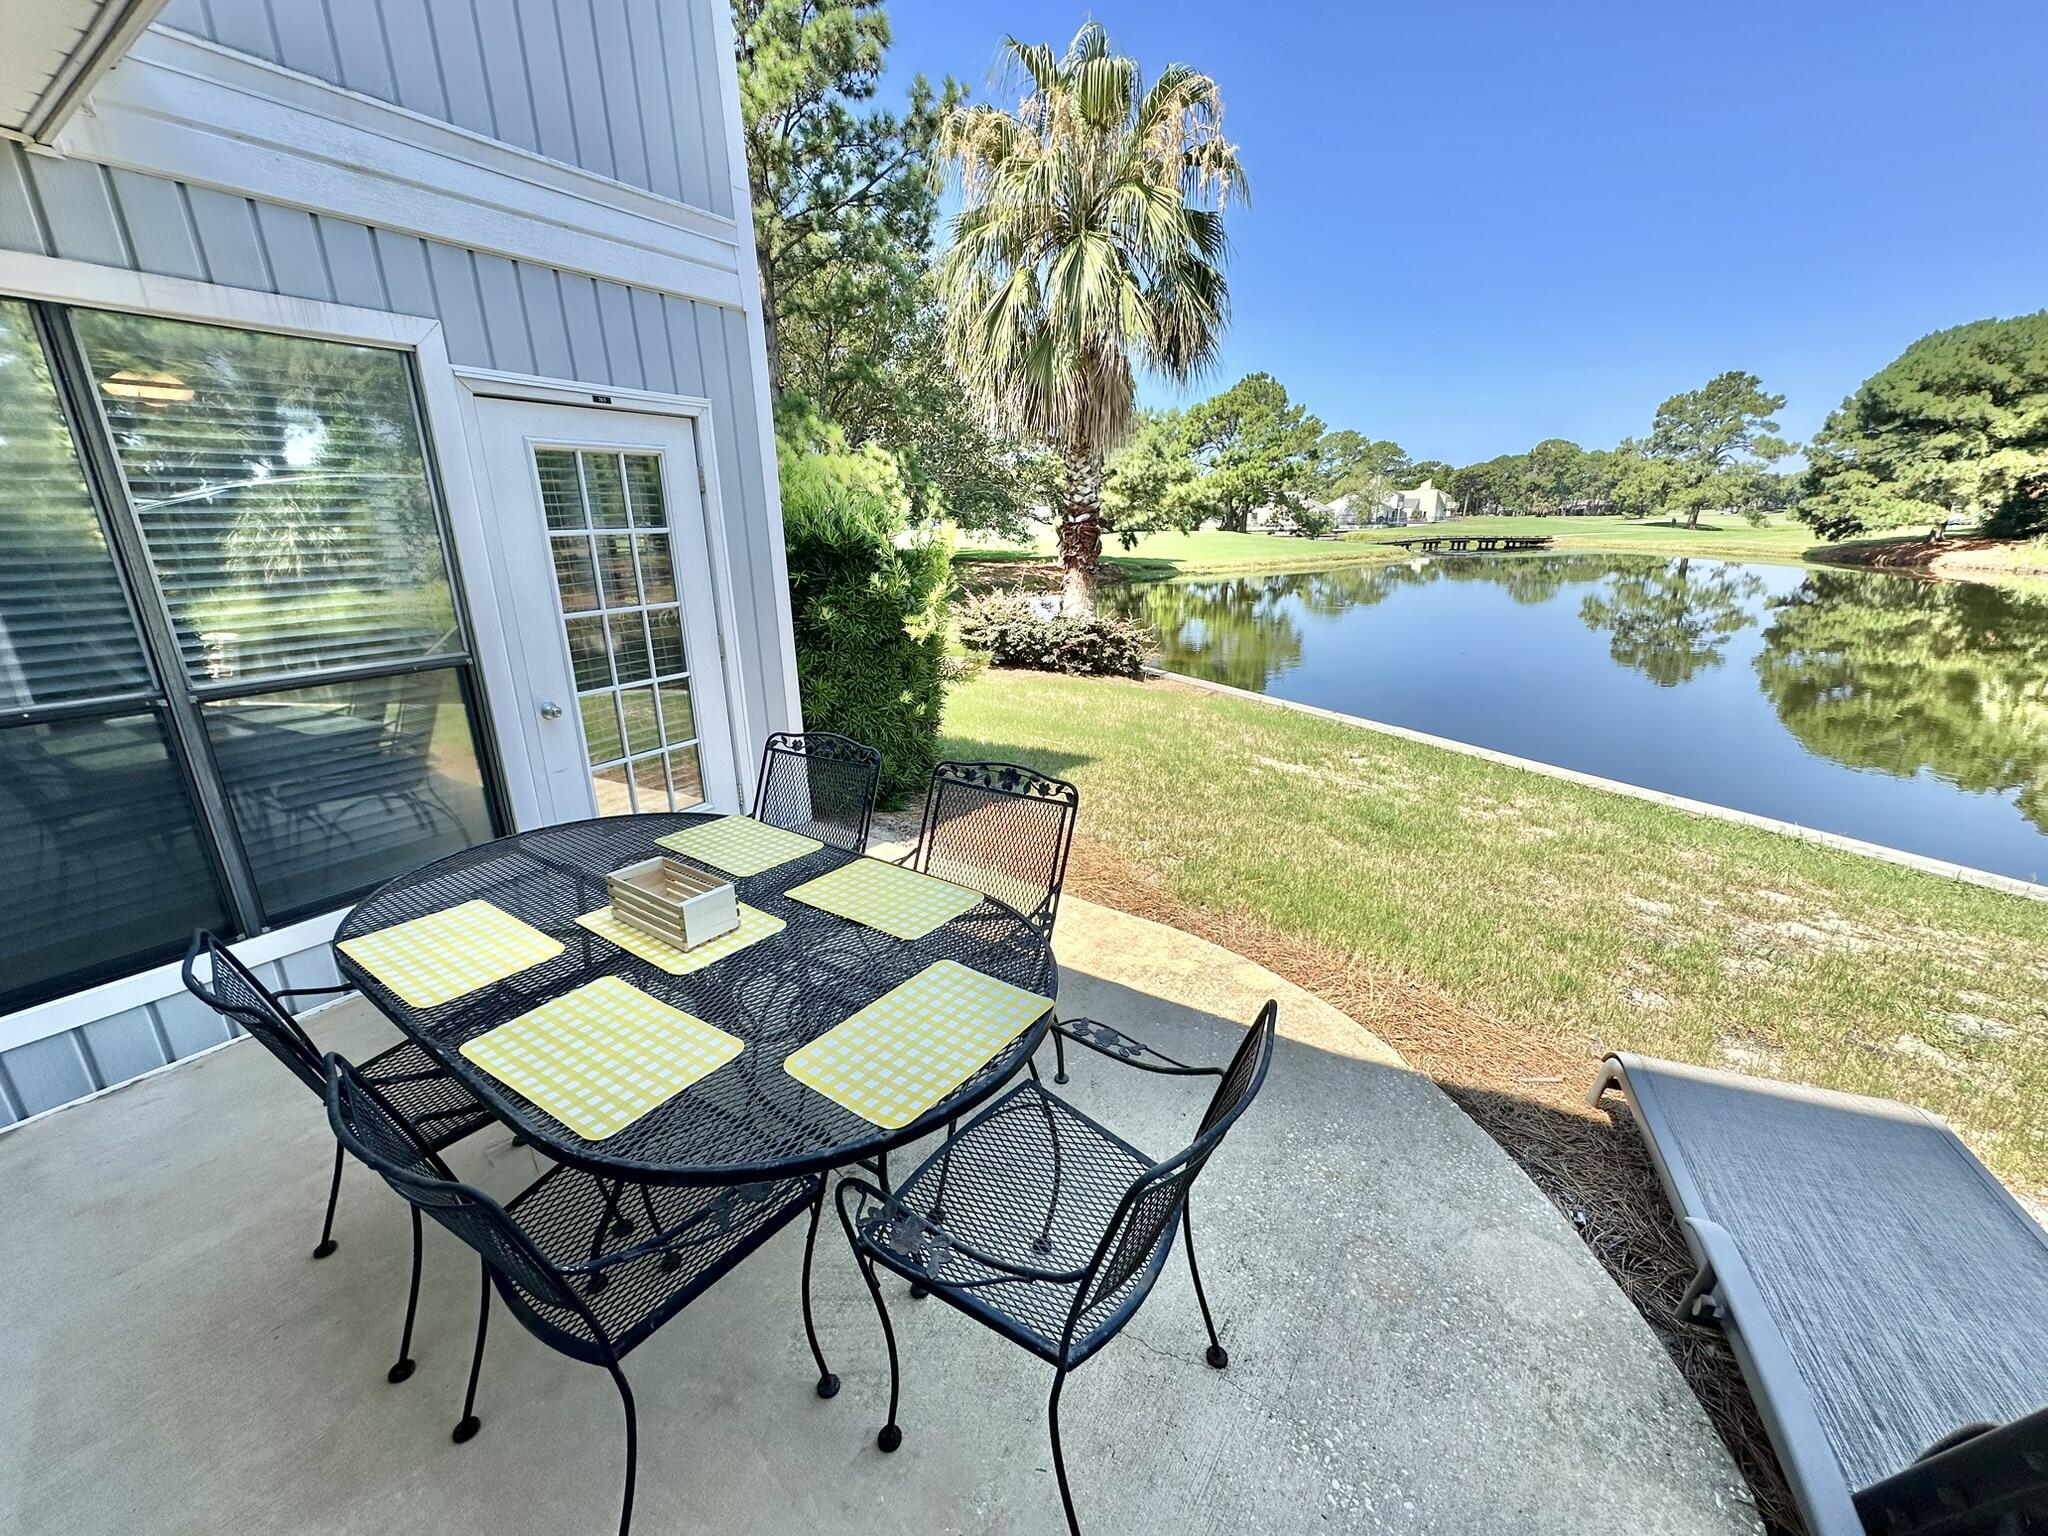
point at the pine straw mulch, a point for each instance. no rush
(1528, 1093)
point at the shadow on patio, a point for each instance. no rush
(1418, 1340)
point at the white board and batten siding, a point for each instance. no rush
(630, 102)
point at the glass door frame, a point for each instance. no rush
(173, 695)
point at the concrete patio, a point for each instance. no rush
(1418, 1341)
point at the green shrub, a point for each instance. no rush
(1004, 625)
(868, 601)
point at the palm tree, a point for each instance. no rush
(1089, 245)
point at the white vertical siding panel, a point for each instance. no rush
(541, 295)
(652, 334)
(461, 305)
(416, 69)
(738, 509)
(404, 262)
(587, 94)
(497, 25)
(186, 16)
(297, 264)
(540, 39)
(621, 339)
(622, 95)
(705, 53)
(159, 226)
(650, 78)
(504, 314)
(188, 1024)
(46, 1073)
(78, 210)
(310, 968)
(462, 65)
(303, 41)
(586, 331)
(364, 64)
(227, 237)
(21, 228)
(243, 25)
(124, 1046)
(352, 264)
(680, 316)
(686, 126)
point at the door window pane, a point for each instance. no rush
(678, 720)
(639, 741)
(606, 492)
(657, 571)
(282, 493)
(343, 785)
(575, 575)
(601, 727)
(561, 495)
(65, 630)
(105, 868)
(643, 490)
(665, 625)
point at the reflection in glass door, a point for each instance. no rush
(608, 532)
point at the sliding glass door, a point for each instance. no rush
(237, 685)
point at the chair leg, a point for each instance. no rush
(1059, 1057)
(333, 1198)
(466, 1428)
(828, 1384)
(891, 1435)
(917, 1291)
(1059, 1461)
(632, 1445)
(1218, 1356)
(404, 1366)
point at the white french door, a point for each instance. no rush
(610, 586)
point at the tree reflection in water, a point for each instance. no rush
(1668, 621)
(1905, 677)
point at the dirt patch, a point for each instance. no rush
(1950, 559)
(1527, 1093)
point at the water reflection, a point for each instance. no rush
(1906, 677)
(1884, 675)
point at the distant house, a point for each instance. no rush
(1424, 504)
(1344, 515)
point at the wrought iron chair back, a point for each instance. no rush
(1002, 829)
(365, 1123)
(1136, 1245)
(235, 993)
(821, 784)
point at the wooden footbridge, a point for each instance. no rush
(1473, 544)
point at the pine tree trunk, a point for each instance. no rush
(1081, 536)
(770, 325)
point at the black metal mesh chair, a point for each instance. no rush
(590, 1267)
(1046, 1226)
(820, 784)
(441, 1109)
(1005, 831)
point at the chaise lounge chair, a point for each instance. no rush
(1885, 1296)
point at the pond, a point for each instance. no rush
(1908, 713)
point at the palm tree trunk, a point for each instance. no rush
(1081, 535)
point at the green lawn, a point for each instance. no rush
(1596, 920)
(1159, 555)
(1717, 538)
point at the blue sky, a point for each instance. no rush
(1479, 223)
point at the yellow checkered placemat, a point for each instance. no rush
(435, 958)
(739, 845)
(600, 1057)
(755, 925)
(899, 902)
(915, 1044)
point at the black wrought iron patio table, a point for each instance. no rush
(749, 1120)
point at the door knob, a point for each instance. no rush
(550, 710)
